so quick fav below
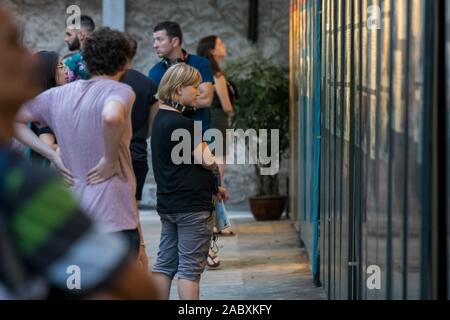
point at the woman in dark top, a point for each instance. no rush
(183, 167)
(213, 48)
(52, 72)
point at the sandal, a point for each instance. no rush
(226, 233)
(213, 261)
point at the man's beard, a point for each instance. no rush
(75, 45)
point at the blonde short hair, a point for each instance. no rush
(179, 75)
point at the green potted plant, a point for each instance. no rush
(263, 103)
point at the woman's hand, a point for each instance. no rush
(222, 195)
(104, 170)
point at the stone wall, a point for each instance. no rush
(43, 24)
(226, 18)
(43, 28)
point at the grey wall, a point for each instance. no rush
(43, 24)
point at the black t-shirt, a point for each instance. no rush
(180, 187)
(145, 90)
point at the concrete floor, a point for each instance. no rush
(263, 261)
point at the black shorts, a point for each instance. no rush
(140, 169)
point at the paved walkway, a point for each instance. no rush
(263, 261)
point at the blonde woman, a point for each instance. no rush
(184, 190)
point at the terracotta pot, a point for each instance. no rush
(267, 208)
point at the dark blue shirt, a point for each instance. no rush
(202, 65)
